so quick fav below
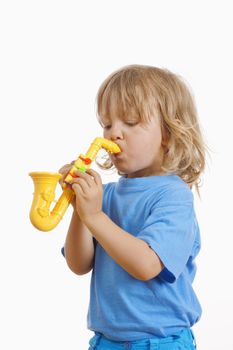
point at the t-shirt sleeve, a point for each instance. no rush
(170, 231)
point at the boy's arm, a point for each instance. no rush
(79, 247)
(131, 253)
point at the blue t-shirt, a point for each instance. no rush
(158, 210)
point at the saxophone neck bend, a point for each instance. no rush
(100, 142)
(108, 145)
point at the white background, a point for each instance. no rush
(54, 55)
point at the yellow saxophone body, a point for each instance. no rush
(45, 185)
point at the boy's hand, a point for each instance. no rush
(64, 171)
(89, 193)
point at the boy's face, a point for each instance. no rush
(141, 144)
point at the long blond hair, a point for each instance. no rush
(145, 89)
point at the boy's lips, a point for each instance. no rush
(117, 155)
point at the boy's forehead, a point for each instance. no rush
(117, 105)
(119, 113)
(111, 106)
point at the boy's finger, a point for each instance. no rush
(96, 176)
(85, 176)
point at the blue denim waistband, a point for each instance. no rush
(99, 341)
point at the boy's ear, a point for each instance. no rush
(165, 137)
(164, 141)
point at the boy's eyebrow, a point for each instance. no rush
(129, 117)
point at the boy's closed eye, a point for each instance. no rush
(129, 123)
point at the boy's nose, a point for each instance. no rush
(116, 133)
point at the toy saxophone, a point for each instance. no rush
(45, 185)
